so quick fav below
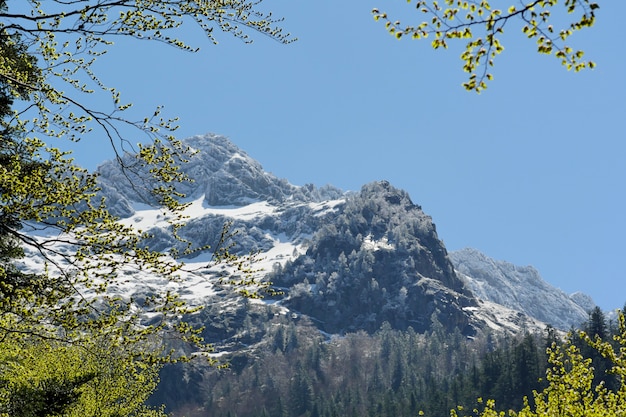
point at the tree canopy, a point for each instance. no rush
(68, 37)
(68, 345)
(480, 24)
(575, 387)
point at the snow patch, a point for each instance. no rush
(503, 319)
(325, 207)
(147, 217)
(374, 245)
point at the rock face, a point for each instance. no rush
(377, 259)
(225, 175)
(520, 288)
(222, 174)
(349, 261)
(583, 300)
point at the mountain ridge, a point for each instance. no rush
(520, 288)
(299, 229)
(219, 171)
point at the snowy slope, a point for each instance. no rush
(520, 288)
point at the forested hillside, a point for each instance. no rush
(296, 371)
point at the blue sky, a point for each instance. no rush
(531, 171)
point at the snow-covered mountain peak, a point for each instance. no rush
(350, 261)
(520, 288)
(219, 171)
(284, 221)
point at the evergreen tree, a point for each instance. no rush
(597, 325)
(596, 328)
(301, 394)
(571, 389)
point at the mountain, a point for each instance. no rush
(376, 259)
(372, 313)
(221, 173)
(347, 261)
(520, 288)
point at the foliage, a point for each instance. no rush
(481, 26)
(47, 377)
(68, 37)
(74, 303)
(573, 388)
(68, 344)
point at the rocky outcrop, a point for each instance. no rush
(377, 259)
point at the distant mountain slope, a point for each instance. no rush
(350, 261)
(520, 288)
